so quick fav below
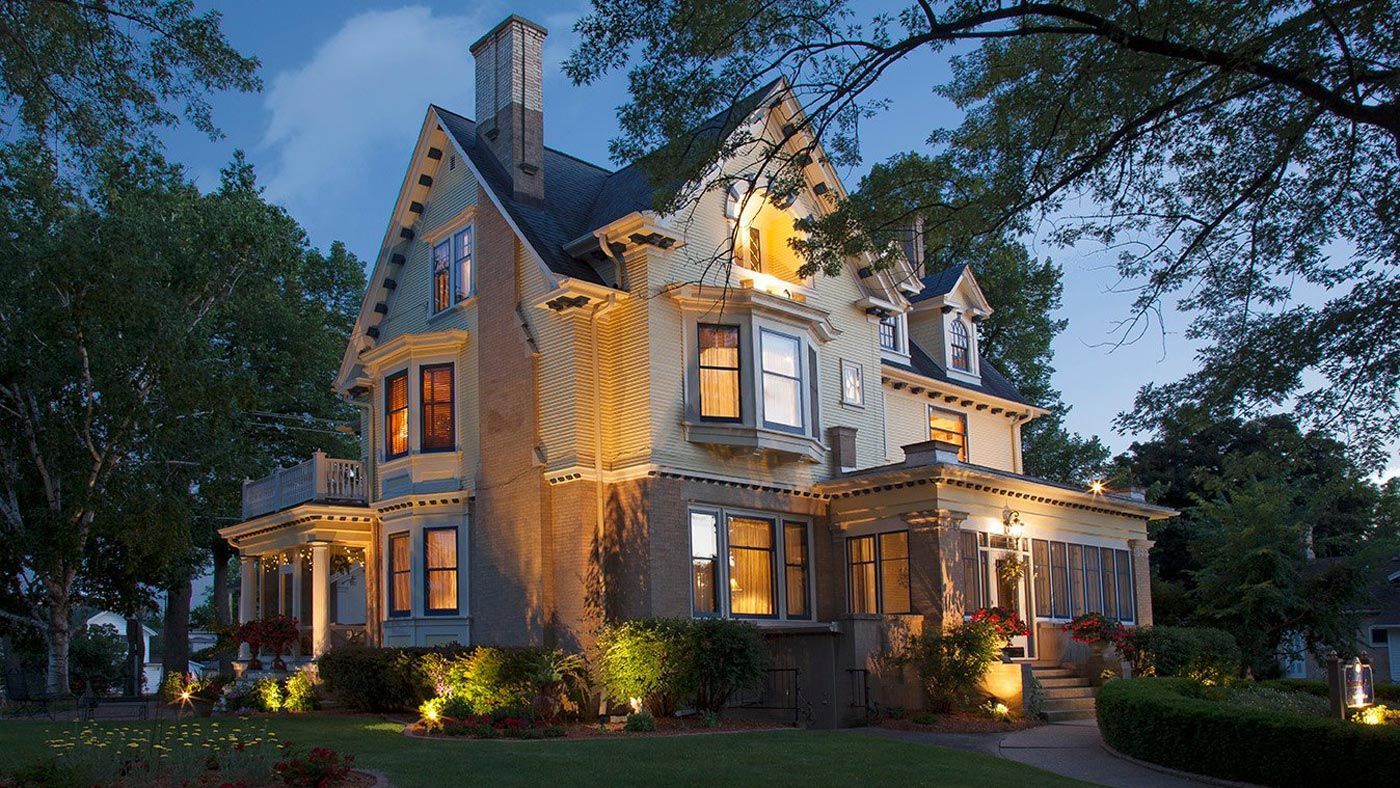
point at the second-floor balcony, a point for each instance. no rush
(320, 478)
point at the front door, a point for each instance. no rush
(1006, 591)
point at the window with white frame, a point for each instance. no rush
(453, 275)
(766, 566)
(889, 333)
(781, 357)
(852, 383)
(960, 346)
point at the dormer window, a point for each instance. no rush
(452, 270)
(889, 333)
(959, 346)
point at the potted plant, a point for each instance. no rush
(1006, 623)
(279, 632)
(1095, 630)
(250, 632)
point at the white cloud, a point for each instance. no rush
(341, 125)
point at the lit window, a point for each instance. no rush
(462, 264)
(889, 333)
(400, 583)
(959, 344)
(878, 573)
(795, 564)
(752, 591)
(949, 427)
(396, 415)
(704, 550)
(442, 276)
(755, 250)
(782, 381)
(852, 383)
(762, 566)
(440, 569)
(719, 372)
(436, 395)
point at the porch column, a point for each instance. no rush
(247, 596)
(935, 571)
(1142, 579)
(320, 598)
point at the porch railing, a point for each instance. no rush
(320, 478)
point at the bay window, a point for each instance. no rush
(719, 372)
(440, 570)
(782, 380)
(400, 575)
(396, 415)
(765, 572)
(436, 399)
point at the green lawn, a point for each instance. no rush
(776, 757)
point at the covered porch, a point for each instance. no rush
(306, 551)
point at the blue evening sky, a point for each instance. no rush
(347, 84)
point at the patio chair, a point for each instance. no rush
(19, 701)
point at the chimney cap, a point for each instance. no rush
(512, 19)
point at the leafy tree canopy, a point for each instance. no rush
(1234, 155)
(84, 76)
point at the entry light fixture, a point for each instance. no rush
(1011, 523)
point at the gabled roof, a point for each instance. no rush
(993, 382)
(941, 283)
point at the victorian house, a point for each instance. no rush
(568, 415)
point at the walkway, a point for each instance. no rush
(1073, 749)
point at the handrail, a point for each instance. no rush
(320, 478)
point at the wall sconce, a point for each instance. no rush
(1011, 524)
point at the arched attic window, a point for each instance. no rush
(959, 345)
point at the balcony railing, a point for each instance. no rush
(318, 479)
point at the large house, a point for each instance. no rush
(569, 415)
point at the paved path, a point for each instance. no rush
(1073, 749)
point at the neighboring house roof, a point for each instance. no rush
(1385, 594)
(941, 283)
(993, 382)
(116, 620)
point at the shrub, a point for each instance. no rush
(537, 683)
(952, 662)
(1008, 624)
(724, 657)
(1253, 696)
(301, 694)
(644, 658)
(1384, 692)
(379, 679)
(96, 659)
(640, 722)
(1200, 653)
(1182, 724)
(319, 767)
(669, 662)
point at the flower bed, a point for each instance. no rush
(187, 754)
(1186, 725)
(664, 726)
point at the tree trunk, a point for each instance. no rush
(175, 651)
(135, 658)
(59, 635)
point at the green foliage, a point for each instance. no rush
(1200, 653)
(1222, 152)
(536, 683)
(378, 679)
(952, 662)
(1249, 695)
(645, 659)
(301, 693)
(1180, 724)
(96, 659)
(667, 662)
(270, 694)
(640, 722)
(1384, 692)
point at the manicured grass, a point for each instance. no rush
(766, 758)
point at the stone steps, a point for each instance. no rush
(1068, 696)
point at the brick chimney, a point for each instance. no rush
(510, 102)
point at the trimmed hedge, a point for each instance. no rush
(1385, 693)
(1173, 722)
(378, 679)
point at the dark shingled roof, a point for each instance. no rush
(579, 197)
(993, 382)
(940, 283)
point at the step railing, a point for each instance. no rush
(320, 478)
